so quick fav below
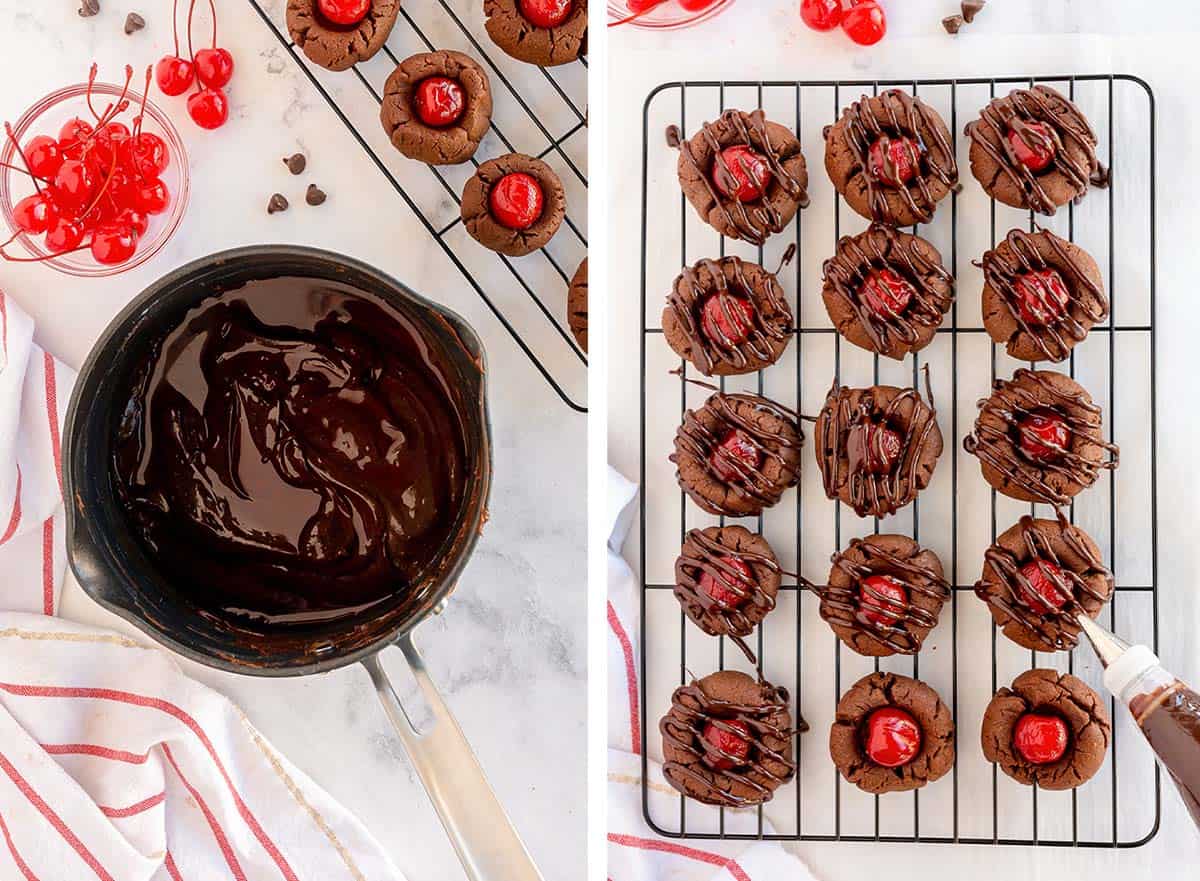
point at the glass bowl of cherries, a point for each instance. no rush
(93, 180)
(664, 14)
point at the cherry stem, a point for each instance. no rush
(8, 131)
(175, 24)
(137, 123)
(91, 83)
(43, 258)
(12, 167)
(112, 171)
(212, 5)
(191, 12)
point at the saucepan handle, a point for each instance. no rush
(483, 837)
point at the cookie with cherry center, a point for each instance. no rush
(437, 107)
(541, 32)
(876, 447)
(1037, 576)
(1040, 438)
(738, 453)
(726, 579)
(727, 740)
(884, 595)
(891, 158)
(577, 305)
(891, 733)
(513, 204)
(743, 173)
(727, 317)
(338, 34)
(1048, 728)
(887, 291)
(1033, 148)
(1041, 295)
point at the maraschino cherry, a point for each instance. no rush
(214, 67)
(440, 101)
(873, 447)
(208, 108)
(725, 750)
(882, 600)
(1033, 144)
(742, 449)
(1040, 738)
(1043, 436)
(1046, 582)
(344, 12)
(1042, 296)
(516, 200)
(886, 293)
(174, 75)
(865, 23)
(821, 15)
(546, 13)
(741, 173)
(727, 319)
(43, 157)
(893, 160)
(892, 737)
(35, 214)
(717, 587)
(210, 69)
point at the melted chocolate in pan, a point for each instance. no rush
(291, 452)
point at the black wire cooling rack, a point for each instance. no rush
(958, 515)
(538, 111)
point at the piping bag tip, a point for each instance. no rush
(1108, 646)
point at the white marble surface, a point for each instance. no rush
(765, 39)
(509, 651)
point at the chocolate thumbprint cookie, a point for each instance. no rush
(726, 579)
(1039, 438)
(1037, 577)
(876, 447)
(727, 740)
(339, 44)
(744, 174)
(727, 317)
(1033, 148)
(737, 454)
(887, 291)
(890, 158)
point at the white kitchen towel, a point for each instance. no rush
(635, 851)
(114, 765)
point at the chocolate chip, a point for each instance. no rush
(278, 203)
(88, 8)
(952, 23)
(314, 195)
(970, 9)
(134, 22)
(296, 163)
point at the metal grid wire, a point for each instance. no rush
(538, 111)
(957, 516)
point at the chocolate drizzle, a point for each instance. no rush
(769, 762)
(900, 115)
(703, 444)
(1011, 592)
(882, 247)
(1065, 327)
(905, 625)
(726, 279)
(1066, 126)
(1010, 402)
(845, 454)
(753, 221)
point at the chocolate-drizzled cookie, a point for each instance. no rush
(884, 595)
(1039, 438)
(744, 174)
(1041, 295)
(890, 158)
(876, 447)
(727, 740)
(887, 291)
(737, 453)
(1033, 148)
(1041, 699)
(1037, 577)
(921, 715)
(727, 317)
(726, 579)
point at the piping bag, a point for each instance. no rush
(1166, 710)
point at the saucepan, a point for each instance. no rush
(114, 570)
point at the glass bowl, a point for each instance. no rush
(47, 117)
(668, 16)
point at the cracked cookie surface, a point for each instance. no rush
(489, 232)
(410, 135)
(525, 41)
(335, 47)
